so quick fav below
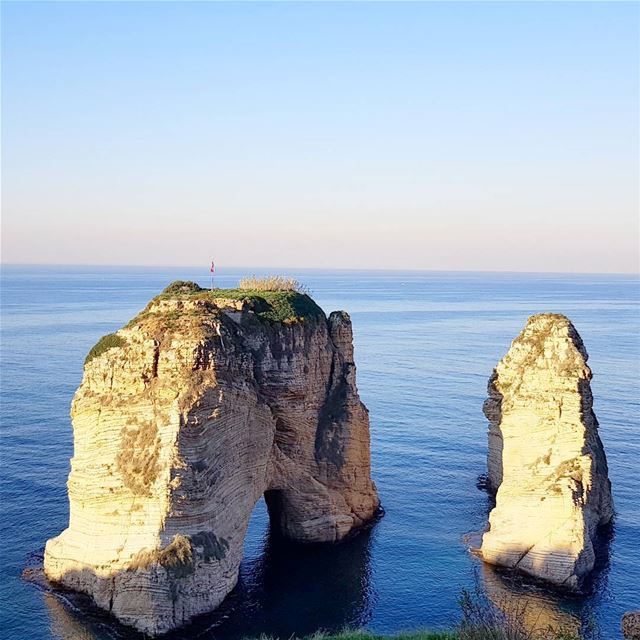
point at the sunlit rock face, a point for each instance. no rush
(545, 458)
(182, 422)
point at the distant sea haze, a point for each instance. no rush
(426, 344)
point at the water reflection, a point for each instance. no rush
(538, 609)
(542, 609)
(290, 589)
(296, 589)
(79, 621)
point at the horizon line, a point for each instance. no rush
(332, 269)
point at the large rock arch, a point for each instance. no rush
(183, 420)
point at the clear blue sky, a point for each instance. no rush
(482, 136)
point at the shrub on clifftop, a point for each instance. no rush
(182, 286)
(105, 343)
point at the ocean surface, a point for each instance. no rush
(425, 344)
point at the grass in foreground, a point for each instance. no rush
(466, 633)
(481, 619)
(361, 634)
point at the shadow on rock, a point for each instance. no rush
(545, 609)
(291, 588)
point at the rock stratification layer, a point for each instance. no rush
(201, 405)
(545, 460)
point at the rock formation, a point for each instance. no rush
(631, 625)
(545, 460)
(187, 416)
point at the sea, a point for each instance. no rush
(425, 346)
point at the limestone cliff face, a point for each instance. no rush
(183, 420)
(545, 458)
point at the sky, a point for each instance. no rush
(447, 136)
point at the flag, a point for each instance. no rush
(212, 267)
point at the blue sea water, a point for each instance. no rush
(425, 344)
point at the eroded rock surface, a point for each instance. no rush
(631, 625)
(545, 460)
(183, 420)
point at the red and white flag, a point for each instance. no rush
(212, 267)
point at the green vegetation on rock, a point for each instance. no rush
(182, 286)
(110, 341)
(282, 305)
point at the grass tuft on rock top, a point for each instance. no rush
(280, 304)
(110, 341)
(272, 283)
(182, 286)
